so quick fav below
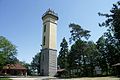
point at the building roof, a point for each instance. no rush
(118, 64)
(61, 70)
(14, 66)
(50, 12)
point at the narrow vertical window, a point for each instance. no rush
(44, 40)
(44, 28)
(43, 57)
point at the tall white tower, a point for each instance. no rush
(49, 52)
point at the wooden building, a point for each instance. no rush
(14, 69)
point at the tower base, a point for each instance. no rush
(48, 62)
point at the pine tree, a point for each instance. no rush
(63, 54)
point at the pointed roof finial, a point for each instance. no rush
(49, 9)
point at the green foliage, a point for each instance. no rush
(109, 47)
(77, 32)
(83, 58)
(63, 54)
(28, 67)
(7, 52)
(75, 57)
(101, 46)
(92, 57)
(113, 20)
(35, 64)
(77, 53)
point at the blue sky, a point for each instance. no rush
(21, 23)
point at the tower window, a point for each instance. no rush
(43, 57)
(44, 28)
(44, 40)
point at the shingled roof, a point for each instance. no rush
(14, 66)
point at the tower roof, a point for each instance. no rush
(51, 13)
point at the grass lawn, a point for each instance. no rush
(5, 79)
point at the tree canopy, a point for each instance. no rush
(35, 64)
(63, 54)
(113, 33)
(7, 52)
(77, 32)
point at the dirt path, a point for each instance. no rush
(85, 78)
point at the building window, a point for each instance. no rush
(44, 28)
(44, 40)
(43, 57)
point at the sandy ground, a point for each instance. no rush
(96, 78)
(52, 78)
